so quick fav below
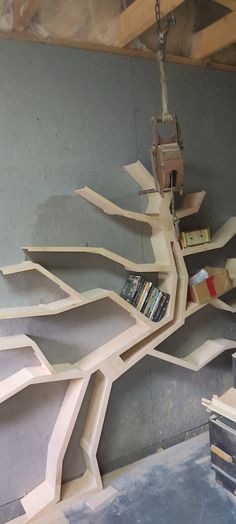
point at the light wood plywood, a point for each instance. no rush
(114, 358)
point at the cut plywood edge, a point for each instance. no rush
(126, 263)
(29, 266)
(208, 351)
(102, 497)
(71, 301)
(193, 307)
(96, 414)
(56, 516)
(20, 379)
(118, 345)
(219, 239)
(190, 204)
(145, 181)
(198, 358)
(109, 361)
(78, 490)
(36, 375)
(110, 208)
(23, 341)
(220, 304)
(141, 175)
(48, 492)
(63, 305)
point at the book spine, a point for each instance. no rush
(142, 297)
(156, 305)
(138, 292)
(159, 308)
(163, 311)
(147, 295)
(150, 301)
(147, 299)
(130, 287)
(163, 308)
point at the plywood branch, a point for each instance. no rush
(217, 36)
(23, 11)
(119, 354)
(138, 17)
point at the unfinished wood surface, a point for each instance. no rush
(114, 358)
(214, 37)
(221, 304)
(200, 357)
(102, 497)
(191, 203)
(138, 17)
(72, 300)
(98, 47)
(48, 491)
(127, 264)
(23, 11)
(110, 208)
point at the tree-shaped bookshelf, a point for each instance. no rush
(108, 362)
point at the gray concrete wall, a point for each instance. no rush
(71, 118)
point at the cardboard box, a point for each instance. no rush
(217, 283)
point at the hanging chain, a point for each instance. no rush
(162, 30)
(175, 219)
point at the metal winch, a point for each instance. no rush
(166, 156)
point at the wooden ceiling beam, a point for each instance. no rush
(138, 17)
(216, 36)
(27, 36)
(23, 11)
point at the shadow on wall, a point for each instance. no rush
(68, 221)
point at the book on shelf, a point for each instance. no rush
(160, 312)
(138, 293)
(130, 288)
(155, 306)
(145, 297)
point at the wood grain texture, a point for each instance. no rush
(138, 17)
(216, 36)
(23, 11)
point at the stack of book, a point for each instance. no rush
(145, 297)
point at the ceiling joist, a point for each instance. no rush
(23, 11)
(214, 37)
(138, 17)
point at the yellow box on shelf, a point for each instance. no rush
(195, 237)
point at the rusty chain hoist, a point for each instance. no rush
(166, 156)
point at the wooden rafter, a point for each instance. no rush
(23, 11)
(27, 36)
(138, 17)
(214, 37)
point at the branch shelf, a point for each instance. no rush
(123, 351)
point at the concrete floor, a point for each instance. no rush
(175, 486)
